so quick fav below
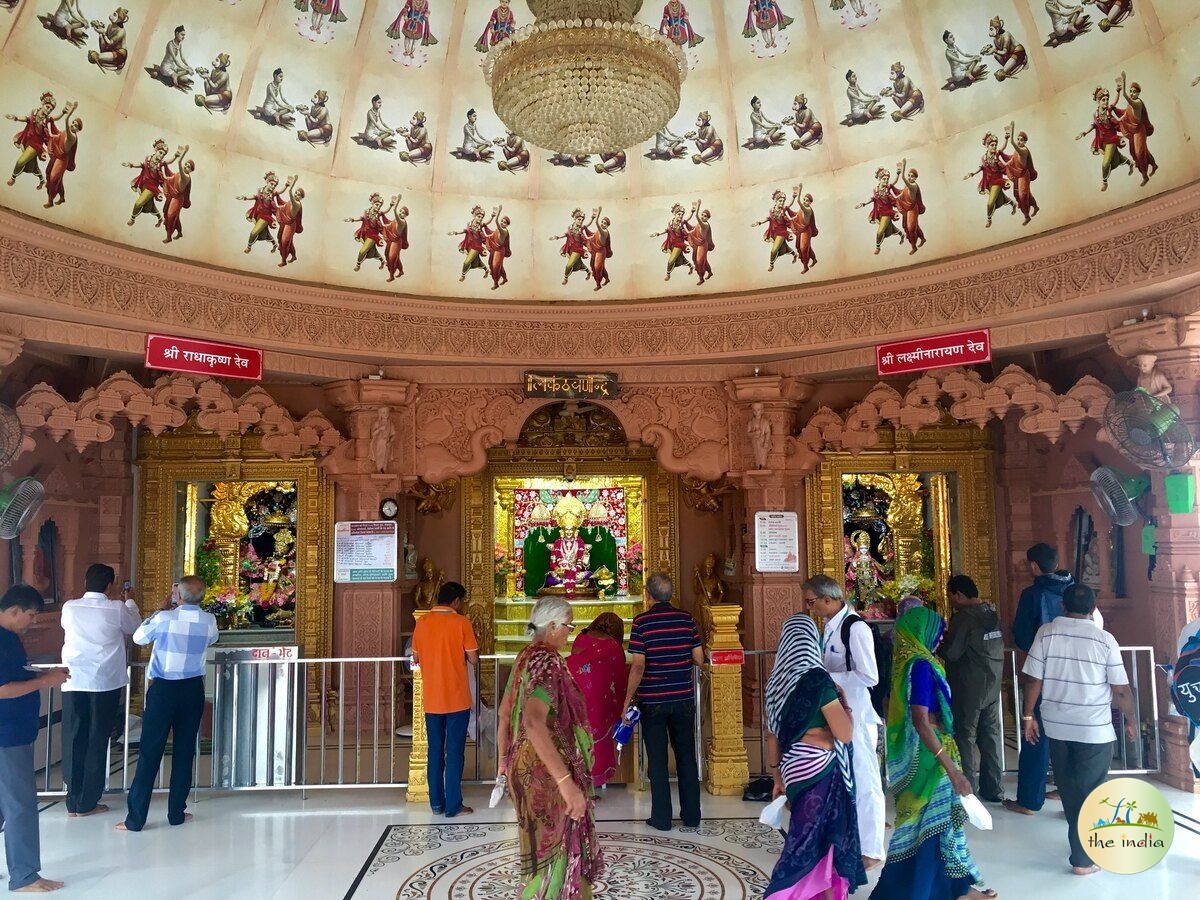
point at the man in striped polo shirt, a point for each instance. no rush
(664, 645)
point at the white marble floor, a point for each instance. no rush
(267, 845)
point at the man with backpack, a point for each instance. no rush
(849, 652)
(973, 648)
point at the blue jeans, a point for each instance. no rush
(447, 749)
(1032, 766)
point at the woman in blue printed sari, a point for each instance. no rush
(809, 749)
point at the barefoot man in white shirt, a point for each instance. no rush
(855, 672)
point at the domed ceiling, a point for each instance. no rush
(273, 142)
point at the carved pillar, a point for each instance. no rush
(418, 756)
(1174, 592)
(10, 349)
(726, 768)
(1018, 469)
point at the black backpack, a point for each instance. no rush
(883, 661)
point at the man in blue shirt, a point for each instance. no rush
(1040, 604)
(174, 701)
(20, 720)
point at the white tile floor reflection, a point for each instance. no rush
(259, 846)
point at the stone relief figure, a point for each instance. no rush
(760, 436)
(1150, 380)
(428, 584)
(383, 433)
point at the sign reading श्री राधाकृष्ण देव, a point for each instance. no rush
(364, 552)
(172, 354)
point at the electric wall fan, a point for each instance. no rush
(1117, 493)
(20, 499)
(1148, 431)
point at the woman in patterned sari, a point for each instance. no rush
(546, 752)
(808, 743)
(928, 857)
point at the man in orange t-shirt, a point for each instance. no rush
(443, 644)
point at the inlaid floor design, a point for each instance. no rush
(723, 859)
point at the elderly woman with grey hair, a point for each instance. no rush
(545, 750)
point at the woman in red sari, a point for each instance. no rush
(597, 663)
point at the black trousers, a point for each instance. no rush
(1078, 770)
(675, 722)
(88, 718)
(175, 708)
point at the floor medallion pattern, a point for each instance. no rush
(723, 859)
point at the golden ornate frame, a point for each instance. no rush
(189, 455)
(960, 450)
(660, 508)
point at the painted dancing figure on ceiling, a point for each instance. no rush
(1067, 22)
(291, 222)
(804, 226)
(575, 244)
(217, 96)
(174, 70)
(600, 249)
(177, 196)
(33, 139)
(809, 131)
(417, 140)
(148, 184)
(677, 25)
(501, 25)
(993, 177)
(1106, 137)
(911, 207)
(1008, 52)
(499, 248)
(767, 18)
(317, 127)
(275, 109)
(371, 224)
(411, 26)
(111, 39)
(1136, 126)
(322, 11)
(864, 107)
(700, 238)
(778, 222)
(1020, 169)
(965, 68)
(262, 214)
(61, 149)
(907, 96)
(676, 242)
(709, 145)
(763, 132)
(395, 239)
(67, 22)
(516, 154)
(474, 240)
(883, 206)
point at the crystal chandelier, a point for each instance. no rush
(585, 85)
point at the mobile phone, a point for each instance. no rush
(175, 593)
(127, 586)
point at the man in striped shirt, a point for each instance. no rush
(664, 645)
(1075, 668)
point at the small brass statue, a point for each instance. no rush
(426, 592)
(710, 592)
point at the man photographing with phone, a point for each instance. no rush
(20, 720)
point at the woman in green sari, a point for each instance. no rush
(927, 857)
(545, 750)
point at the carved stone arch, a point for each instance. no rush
(572, 424)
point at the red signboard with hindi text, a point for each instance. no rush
(727, 658)
(203, 357)
(964, 348)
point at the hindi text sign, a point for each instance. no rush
(964, 348)
(364, 552)
(776, 542)
(571, 386)
(203, 357)
(727, 658)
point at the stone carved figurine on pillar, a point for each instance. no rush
(383, 433)
(759, 430)
(1150, 379)
(426, 592)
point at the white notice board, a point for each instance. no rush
(776, 542)
(364, 552)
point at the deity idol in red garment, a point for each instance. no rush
(570, 563)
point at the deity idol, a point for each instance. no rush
(863, 573)
(570, 565)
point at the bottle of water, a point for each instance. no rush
(623, 733)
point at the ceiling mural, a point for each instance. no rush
(353, 142)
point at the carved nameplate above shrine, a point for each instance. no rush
(570, 386)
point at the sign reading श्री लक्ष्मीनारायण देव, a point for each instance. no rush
(570, 385)
(940, 351)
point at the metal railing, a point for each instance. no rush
(1142, 757)
(307, 724)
